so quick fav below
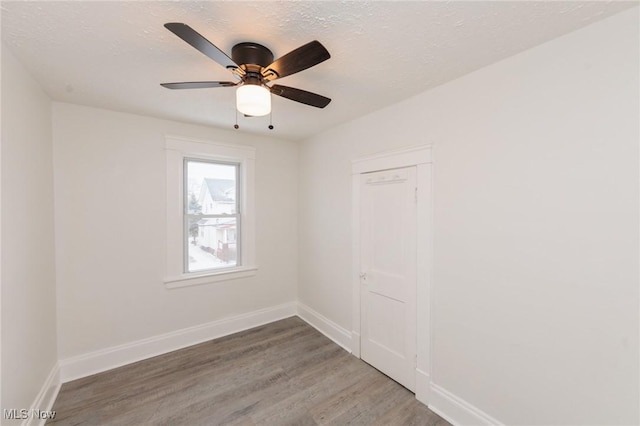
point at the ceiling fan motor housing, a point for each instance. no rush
(251, 53)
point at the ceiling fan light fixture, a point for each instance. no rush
(253, 99)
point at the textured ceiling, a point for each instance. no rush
(115, 54)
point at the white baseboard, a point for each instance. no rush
(45, 398)
(456, 410)
(106, 359)
(324, 325)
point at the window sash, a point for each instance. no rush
(185, 181)
(187, 216)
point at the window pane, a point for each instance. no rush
(212, 243)
(211, 188)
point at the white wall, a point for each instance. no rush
(536, 275)
(110, 226)
(29, 352)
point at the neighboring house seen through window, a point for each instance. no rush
(212, 216)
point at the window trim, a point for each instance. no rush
(177, 149)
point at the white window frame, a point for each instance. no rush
(239, 207)
(179, 148)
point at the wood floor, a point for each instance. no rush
(283, 373)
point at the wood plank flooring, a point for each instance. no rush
(283, 373)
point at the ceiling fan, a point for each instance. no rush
(253, 66)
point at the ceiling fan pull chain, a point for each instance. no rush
(235, 126)
(271, 119)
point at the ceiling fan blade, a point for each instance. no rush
(297, 60)
(301, 96)
(198, 84)
(196, 40)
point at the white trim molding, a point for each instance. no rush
(423, 386)
(456, 410)
(422, 158)
(106, 359)
(177, 148)
(45, 398)
(187, 280)
(341, 336)
(395, 159)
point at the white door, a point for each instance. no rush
(388, 272)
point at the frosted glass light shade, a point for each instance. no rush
(253, 100)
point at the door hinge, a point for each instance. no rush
(416, 195)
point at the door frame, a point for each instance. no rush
(422, 158)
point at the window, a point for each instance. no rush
(210, 218)
(211, 215)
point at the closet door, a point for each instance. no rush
(388, 272)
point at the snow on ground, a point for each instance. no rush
(200, 260)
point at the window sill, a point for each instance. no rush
(208, 278)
